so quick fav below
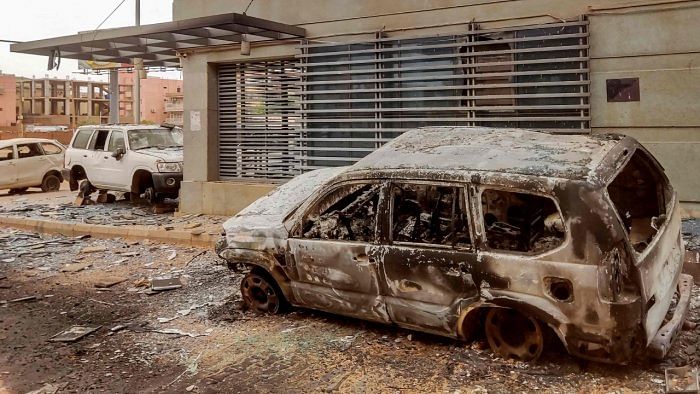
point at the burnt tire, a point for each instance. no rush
(51, 183)
(512, 334)
(261, 294)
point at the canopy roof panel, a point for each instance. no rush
(158, 43)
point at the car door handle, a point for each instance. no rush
(84, 155)
(106, 157)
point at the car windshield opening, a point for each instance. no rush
(154, 138)
(521, 222)
(640, 193)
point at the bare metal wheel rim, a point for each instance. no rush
(514, 335)
(259, 294)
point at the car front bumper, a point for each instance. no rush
(167, 182)
(661, 343)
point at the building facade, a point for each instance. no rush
(73, 103)
(8, 101)
(368, 70)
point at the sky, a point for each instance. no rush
(27, 20)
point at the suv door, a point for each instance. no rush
(8, 167)
(428, 256)
(116, 170)
(335, 253)
(95, 161)
(31, 165)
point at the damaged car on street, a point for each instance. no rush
(517, 235)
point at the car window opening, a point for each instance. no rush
(350, 217)
(29, 150)
(521, 222)
(7, 153)
(82, 138)
(430, 215)
(640, 193)
(100, 140)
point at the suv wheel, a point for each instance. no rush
(261, 294)
(151, 196)
(51, 183)
(512, 334)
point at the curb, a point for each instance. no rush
(134, 233)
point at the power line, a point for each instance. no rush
(246, 9)
(110, 14)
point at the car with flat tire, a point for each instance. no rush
(144, 161)
(31, 162)
(517, 235)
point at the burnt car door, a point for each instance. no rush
(428, 256)
(335, 252)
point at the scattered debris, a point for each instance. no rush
(76, 267)
(109, 282)
(175, 331)
(190, 226)
(24, 299)
(49, 388)
(162, 284)
(682, 380)
(172, 255)
(93, 249)
(73, 334)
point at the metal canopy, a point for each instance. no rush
(158, 43)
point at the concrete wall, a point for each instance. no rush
(8, 100)
(662, 49)
(656, 41)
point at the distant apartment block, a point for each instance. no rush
(174, 107)
(73, 103)
(8, 100)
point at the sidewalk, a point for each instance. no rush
(54, 213)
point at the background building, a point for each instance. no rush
(8, 101)
(73, 103)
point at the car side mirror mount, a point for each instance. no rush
(117, 154)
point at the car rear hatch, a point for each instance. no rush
(649, 211)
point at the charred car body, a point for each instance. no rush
(452, 230)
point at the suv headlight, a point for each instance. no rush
(169, 167)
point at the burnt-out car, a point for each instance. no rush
(459, 230)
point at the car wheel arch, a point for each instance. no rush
(141, 178)
(471, 317)
(260, 260)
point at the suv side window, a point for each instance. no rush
(521, 222)
(99, 140)
(348, 213)
(428, 214)
(29, 150)
(81, 140)
(116, 141)
(51, 149)
(7, 153)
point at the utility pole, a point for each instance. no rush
(138, 68)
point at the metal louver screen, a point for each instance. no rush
(258, 120)
(355, 97)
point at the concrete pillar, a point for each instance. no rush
(113, 96)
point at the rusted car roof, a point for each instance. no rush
(516, 151)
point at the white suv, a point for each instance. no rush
(30, 162)
(140, 160)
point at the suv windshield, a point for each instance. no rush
(155, 138)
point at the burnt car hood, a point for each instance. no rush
(261, 224)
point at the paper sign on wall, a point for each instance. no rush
(195, 121)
